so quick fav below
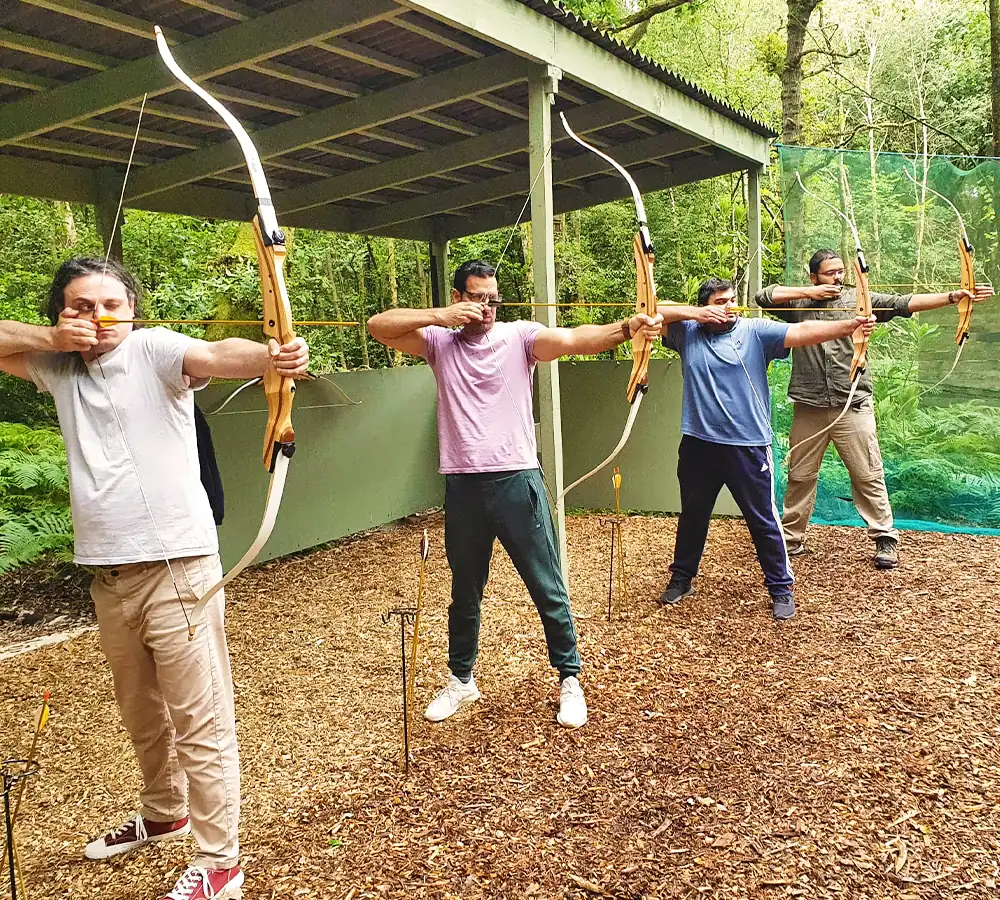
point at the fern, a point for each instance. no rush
(29, 537)
(35, 518)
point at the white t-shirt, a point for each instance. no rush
(145, 383)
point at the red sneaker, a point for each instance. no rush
(135, 833)
(208, 884)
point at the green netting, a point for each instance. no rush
(940, 440)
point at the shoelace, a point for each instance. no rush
(571, 689)
(137, 823)
(194, 878)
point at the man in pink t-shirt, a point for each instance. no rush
(493, 485)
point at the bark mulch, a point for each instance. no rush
(851, 752)
(43, 598)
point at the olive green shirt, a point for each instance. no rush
(821, 373)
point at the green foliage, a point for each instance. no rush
(902, 72)
(942, 463)
(600, 13)
(21, 402)
(34, 496)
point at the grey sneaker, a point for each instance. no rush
(677, 590)
(783, 607)
(799, 549)
(886, 555)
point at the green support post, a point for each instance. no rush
(109, 219)
(440, 285)
(754, 250)
(542, 89)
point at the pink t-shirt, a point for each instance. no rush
(484, 425)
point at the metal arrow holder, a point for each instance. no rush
(407, 615)
(617, 522)
(15, 772)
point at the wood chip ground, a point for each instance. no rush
(851, 752)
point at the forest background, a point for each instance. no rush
(916, 77)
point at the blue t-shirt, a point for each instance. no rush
(726, 397)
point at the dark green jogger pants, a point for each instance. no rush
(511, 506)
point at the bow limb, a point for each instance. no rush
(645, 302)
(269, 240)
(275, 490)
(640, 207)
(863, 308)
(967, 260)
(257, 179)
(830, 427)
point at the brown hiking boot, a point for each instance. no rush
(886, 555)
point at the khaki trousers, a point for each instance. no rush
(175, 696)
(856, 441)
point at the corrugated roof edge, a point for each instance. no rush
(614, 46)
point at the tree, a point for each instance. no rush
(799, 13)
(995, 72)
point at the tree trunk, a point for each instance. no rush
(924, 154)
(799, 13)
(363, 307)
(397, 355)
(872, 152)
(341, 352)
(69, 222)
(422, 278)
(994, 8)
(995, 70)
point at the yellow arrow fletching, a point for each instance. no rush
(42, 716)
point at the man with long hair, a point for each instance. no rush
(142, 519)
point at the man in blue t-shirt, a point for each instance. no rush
(726, 427)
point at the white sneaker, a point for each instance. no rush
(451, 698)
(572, 705)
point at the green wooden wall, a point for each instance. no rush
(365, 463)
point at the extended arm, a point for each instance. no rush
(922, 302)
(804, 334)
(551, 343)
(239, 358)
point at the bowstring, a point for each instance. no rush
(107, 386)
(965, 236)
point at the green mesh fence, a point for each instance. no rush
(940, 440)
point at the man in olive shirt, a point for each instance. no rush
(820, 384)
